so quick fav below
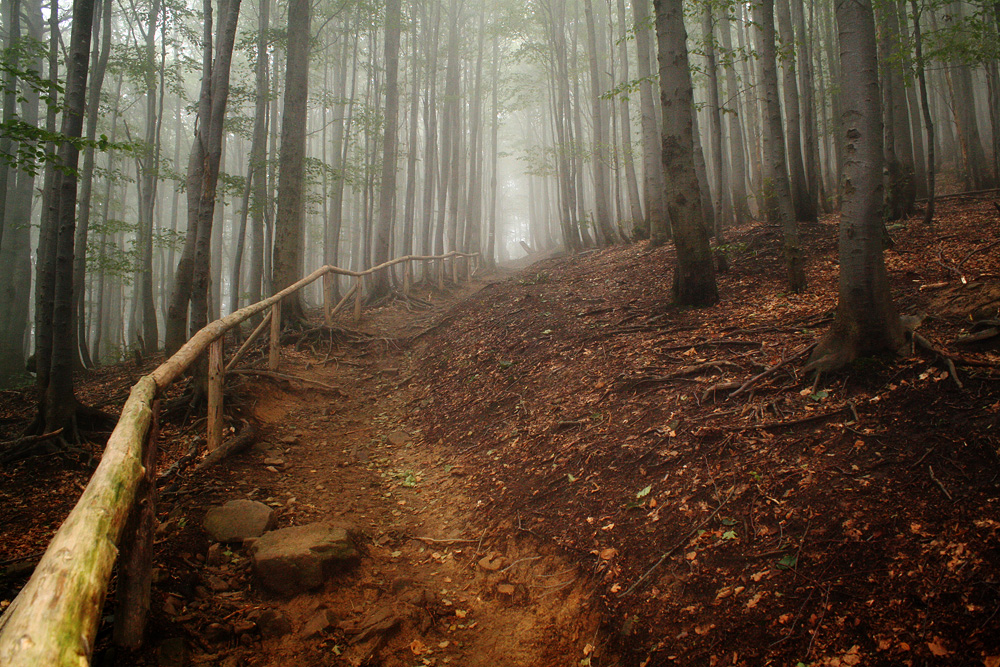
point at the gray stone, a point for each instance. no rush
(292, 560)
(273, 623)
(172, 653)
(239, 519)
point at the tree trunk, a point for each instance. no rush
(925, 105)
(801, 197)
(387, 185)
(290, 218)
(58, 405)
(694, 277)
(807, 107)
(655, 225)
(722, 207)
(737, 143)
(777, 194)
(866, 321)
(901, 192)
(258, 158)
(602, 214)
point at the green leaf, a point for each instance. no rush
(547, 332)
(787, 562)
(728, 522)
(570, 477)
(644, 492)
(819, 395)
(505, 364)
(729, 535)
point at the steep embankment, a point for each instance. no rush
(850, 520)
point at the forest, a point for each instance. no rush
(785, 204)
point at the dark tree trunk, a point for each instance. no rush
(694, 277)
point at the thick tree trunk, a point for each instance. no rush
(807, 106)
(258, 158)
(387, 184)
(901, 192)
(694, 277)
(58, 405)
(722, 205)
(866, 321)
(777, 194)
(288, 224)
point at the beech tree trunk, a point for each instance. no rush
(655, 225)
(602, 213)
(866, 321)
(387, 187)
(694, 277)
(777, 194)
(801, 197)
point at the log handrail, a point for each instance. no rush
(54, 619)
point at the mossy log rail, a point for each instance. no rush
(54, 619)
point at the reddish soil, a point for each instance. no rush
(556, 472)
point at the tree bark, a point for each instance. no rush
(602, 214)
(655, 225)
(777, 194)
(694, 277)
(866, 321)
(387, 186)
(802, 199)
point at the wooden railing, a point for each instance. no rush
(54, 619)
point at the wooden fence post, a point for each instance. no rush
(135, 567)
(274, 354)
(215, 380)
(407, 277)
(454, 269)
(328, 298)
(440, 272)
(357, 299)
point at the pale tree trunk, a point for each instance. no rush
(694, 277)
(258, 158)
(149, 176)
(722, 206)
(387, 187)
(777, 194)
(807, 107)
(655, 225)
(866, 321)
(977, 173)
(431, 180)
(738, 176)
(489, 258)
(901, 192)
(193, 270)
(602, 213)
(410, 197)
(801, 197)
(15, 247)
(637, 221)
(341, 143)
(474, 213)
(290, 217)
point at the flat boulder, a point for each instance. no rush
(238, 520)
(293, 560)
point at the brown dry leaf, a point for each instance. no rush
(937, 647)
(991, 661)
(418, 647)
(609, 553)
(852, 657)
(461, 613)
(752, 602)
(757, 576)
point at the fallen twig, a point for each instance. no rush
(234, 445)
(667, 554)
(773, 369)
(930, 471)
(943, 356)
(31, 439)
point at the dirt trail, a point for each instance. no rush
(449, 587)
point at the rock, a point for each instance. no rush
(289, 439)
(293, 560)
(273, 623)
(172, 653)
(276, 462)
(217, 632)
(399, 438)
(322, 621)
(505, 589)
(215, 555)
(217, 584)
(239, 519)
(492, 562)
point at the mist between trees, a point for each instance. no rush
(167, 162)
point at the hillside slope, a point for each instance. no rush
(849, 520)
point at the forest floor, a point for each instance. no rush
(558, 467)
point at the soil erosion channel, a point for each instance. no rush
(434, 581)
